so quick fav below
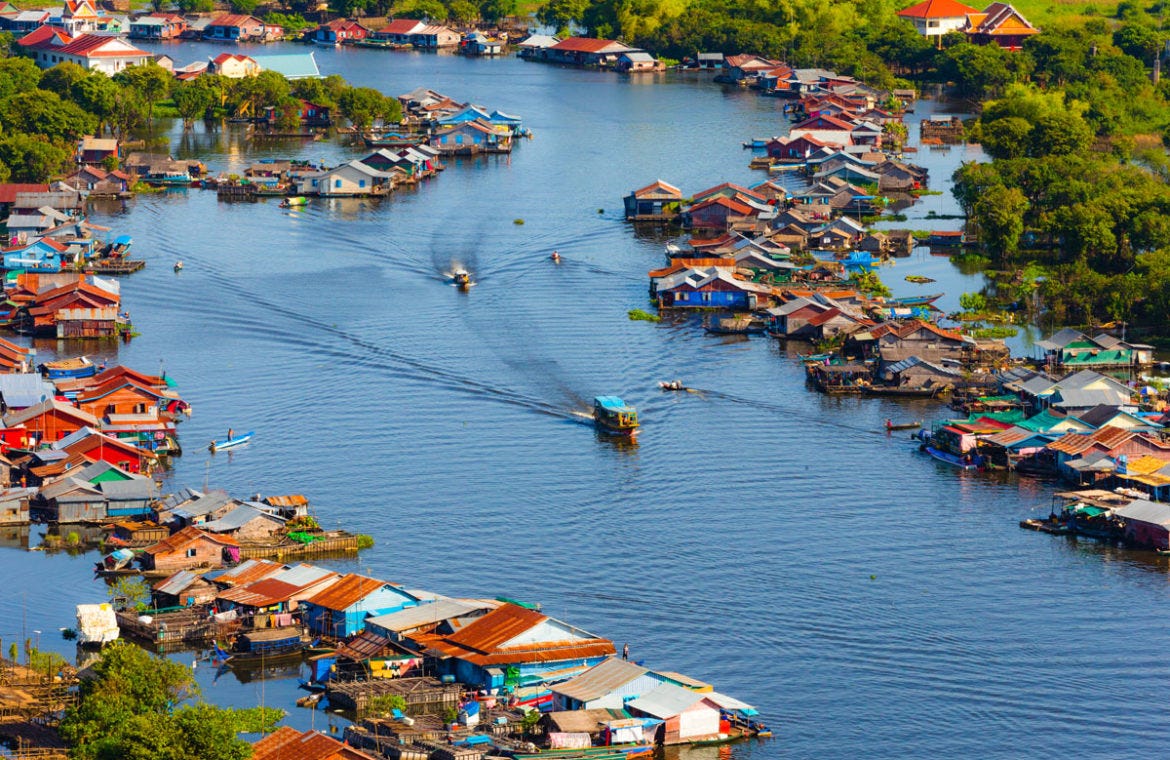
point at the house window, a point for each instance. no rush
(191, 552)
(361, 183)
(706, 298)
(337, 183)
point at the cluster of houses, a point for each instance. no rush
(382, 634)
(78, 442)
(1067, 419)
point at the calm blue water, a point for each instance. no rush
(869, 601)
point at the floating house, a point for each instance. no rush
(235, 27)
(158, 26)
(14, 505)
(513, 646)
(43, 255)
(183, 589)
(287, 743)
(50, 420)
(686, 716)
(471, 138)
(69, 500)
(347, 180)
(337, 32)
(584, 51)
(399, 31)
(439, 616)
(435, 37)
(1147, 523)
(190, 548)
(478, 43)
(712, 287)
(233, 66)
(609, 684)
(657, 202)
(245, 523)
(342, 609)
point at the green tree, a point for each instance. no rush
(1005, 138)
(462, 11)
(45, 114)
(999, 216)
(18, 75)
(63, 79)
(128, 111)
(192, 101)
(150, 81)
(1140, 41)
(244, 6)
(140, 706)
(421, 9)
(494, 10)
(362, 105)
(288, 115)
(196, 6)
(97, 94)
(560, 13)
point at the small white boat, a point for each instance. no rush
(461, 278)
(231, 443)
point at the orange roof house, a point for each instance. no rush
(342, 608)
(934, 18)
(190, 548)
(508, 637)
(287, 743)
(999, 24)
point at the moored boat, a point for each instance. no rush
(914, 300)
(294, 201)
(612, 415)
(231, 443)
(267, 645)
(965, 462)
(79, 366)
(891, 425)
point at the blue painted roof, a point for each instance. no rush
(613, 403)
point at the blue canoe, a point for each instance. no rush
(231, 443)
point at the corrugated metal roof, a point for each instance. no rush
(184, 538)
(249, 571)
(551, 651)
(425, 614)
(498, 626)
(728, 703)
(292, 500)
(176, 583)
(665, 701)
(263, 593)
(87, 315)
(238, 518)
(1145, 511)
(585, 721)
(347, 591)
(123, 490)
(304, 575)
(600, 680)
(693, 684)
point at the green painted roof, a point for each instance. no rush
(1041, 422)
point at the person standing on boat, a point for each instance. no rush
(231, 434)
(626, 652)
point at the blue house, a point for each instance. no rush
(512, 647)
(341, 609)
(471, 138)
(44, 255)
(611, 684)
(470, 113)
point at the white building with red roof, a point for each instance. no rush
(94, 52)
(234, 66)
(934, 18)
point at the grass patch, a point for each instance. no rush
(997, 331)
(638, 315)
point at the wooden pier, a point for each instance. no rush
(340, 543)
(423, 696)
(194, 626)
(112, 266)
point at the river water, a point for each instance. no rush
(770, 540)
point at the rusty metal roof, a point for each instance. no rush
(185, 538)
(249, 571)
(263, 593)
(1072, 443)
(548, 651)
(502, 624)
(347, 591)
(292, 500)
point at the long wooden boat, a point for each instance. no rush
(267, 645)
(612, 415)
(914, 300)
(231, 443)
(394, 140)
(902, 425)
(949, 458)
(79, 366)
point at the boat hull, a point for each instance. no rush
(949, 458)
(231, 443)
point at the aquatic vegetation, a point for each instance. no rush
(638, 315)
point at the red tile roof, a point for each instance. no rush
(729, 204)
(220, 59)
(89, 46)
(659, 185)
(937, 9)
(583, 45)
(44, 36)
